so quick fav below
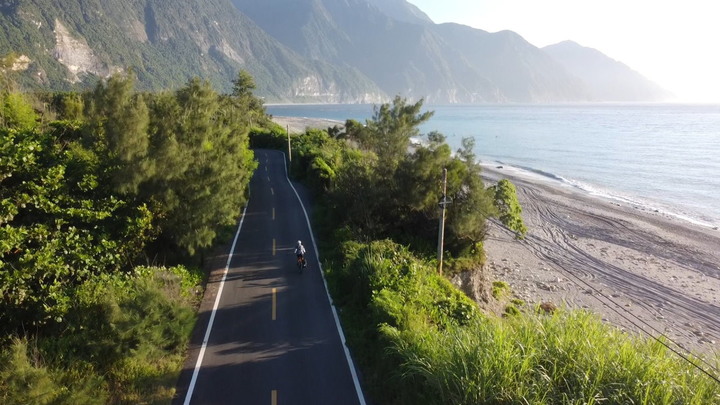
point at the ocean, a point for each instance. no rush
(663, 157)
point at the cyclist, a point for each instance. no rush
(300, 252)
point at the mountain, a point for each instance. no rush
(68, 46)
(401, 10)
(301, 51)
(401, 50)
(605, 78)
(518, 70)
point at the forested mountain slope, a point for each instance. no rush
(65, 45)
(300, 51)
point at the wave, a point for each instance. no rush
(533, 174)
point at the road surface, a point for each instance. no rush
(274, 336)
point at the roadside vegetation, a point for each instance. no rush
(108, 201)
(418, 339)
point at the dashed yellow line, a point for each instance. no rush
(273, 397)
(273, 246)
(272, 191)
(273, 213)
(274, 304)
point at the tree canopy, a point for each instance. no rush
(123, 175)
(391, 186)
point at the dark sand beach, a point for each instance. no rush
(640, 270)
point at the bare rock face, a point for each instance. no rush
(20, 64)
(328, 91)
(76, 55)
(230, 52)
(476, 285)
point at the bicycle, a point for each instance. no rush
(301, 263)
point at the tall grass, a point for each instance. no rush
(417, 345)
(567, 358)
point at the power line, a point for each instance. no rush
(600, 293)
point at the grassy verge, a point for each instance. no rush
(418, 340)
(123, 342)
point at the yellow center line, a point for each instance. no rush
(268, 178)
(273, 246)
(274, 304)
(272, 191)
(273, 213)
(273, 397)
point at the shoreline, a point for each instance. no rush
(637, 268)
(297, 125)
(641, 270)
(616, 198)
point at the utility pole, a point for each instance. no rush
(441, 232)
(287, 130)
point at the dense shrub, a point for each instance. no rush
(419, 340)
(123, 177)
(123, 342)
(273, 137)
(381, 284)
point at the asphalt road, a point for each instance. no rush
(274, 337)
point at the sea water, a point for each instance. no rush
(663, 157)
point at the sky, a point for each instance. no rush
(675, 43)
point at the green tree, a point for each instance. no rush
(69, 106)
(510, 211)
(57, 227)
(119, 120)
(242, 95)
(17, 112)
(201, 140)
(389, 131)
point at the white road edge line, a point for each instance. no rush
(351, 365)
(198, 364)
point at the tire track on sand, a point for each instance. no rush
(560, 234)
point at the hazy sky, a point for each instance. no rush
(675, 43)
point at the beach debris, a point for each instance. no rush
(546, 287)
(548, 307)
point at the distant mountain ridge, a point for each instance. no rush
(357, 51)
(402, 11)
(412, 56)
(605, 78)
